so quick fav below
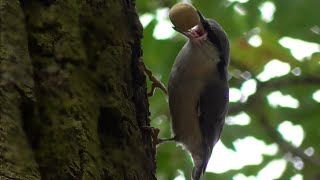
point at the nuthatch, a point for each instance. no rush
(198, 88)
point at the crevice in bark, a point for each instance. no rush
(30, 124)
(109, 126)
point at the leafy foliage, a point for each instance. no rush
(296, 19)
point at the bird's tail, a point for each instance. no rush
(199, 170)
(196, 173)
(200, 167)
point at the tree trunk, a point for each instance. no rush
(72, 93)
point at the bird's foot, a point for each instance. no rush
(154, 135)
(155, 82)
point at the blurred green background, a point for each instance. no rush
(273, 127)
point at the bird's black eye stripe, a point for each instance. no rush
(214, 39)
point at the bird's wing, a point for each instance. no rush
(213, 107)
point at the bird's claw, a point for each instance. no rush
(154, 134)
(155, 82)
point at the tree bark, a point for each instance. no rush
(72, 93)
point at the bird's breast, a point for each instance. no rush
(195, 65)
(196, 60)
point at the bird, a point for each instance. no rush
(198, 91)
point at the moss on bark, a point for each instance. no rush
(77, 104)
(16, 157)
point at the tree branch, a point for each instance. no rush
(273, 84)
(284, 145)
(257, 99)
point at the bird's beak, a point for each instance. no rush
(202, 20)
(197, 31)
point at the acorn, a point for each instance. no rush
(184, 16)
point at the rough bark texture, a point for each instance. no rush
(72, 95)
